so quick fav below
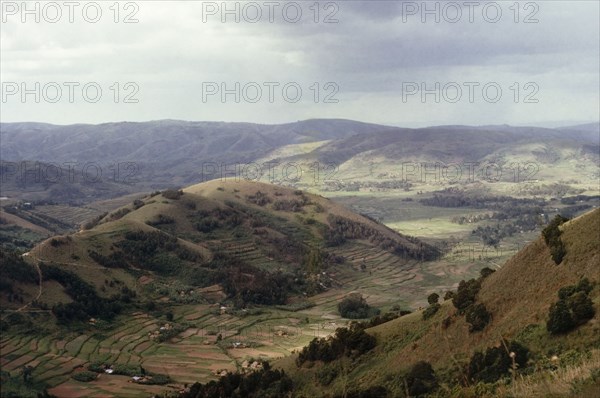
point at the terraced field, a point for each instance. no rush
(198, 353)
(68, 214)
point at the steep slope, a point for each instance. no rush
(518, 296)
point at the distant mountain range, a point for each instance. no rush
(157, 154)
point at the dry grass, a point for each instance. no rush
(563, 382)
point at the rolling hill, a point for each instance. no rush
(241, 235)
(518, 298)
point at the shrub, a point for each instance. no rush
(431, 311)
(465, 295)
(433, 298)
(485, 272)
(354, 306)
(326, 375)
(559, 318)
(478, 317)
(421, 379)
(496, 362)
(551, 236)
(352, 341)
(84, 376)
(572, 308)
(581, 306)
(172, 194)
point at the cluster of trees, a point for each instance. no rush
(573, 308)
(462, 199)
(263, 383)
(249, 285)
(354, 306)
(350, 186)
(571, 200)
(464, 300)
(352, 342)
(341, 229)
(209, 220)
(497, 362)
(153, 251)
(491, 235)
(118, 214)
(14, 269)
(551, 236)
(86, 303)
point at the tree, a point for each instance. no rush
(465, 295)
(485, 272)
(433, 298)
(26, 372)
(581, 306)
(421, 379)
(314, 262)
(354, 306)
(169, 316)
(478, 317)
(560, 319)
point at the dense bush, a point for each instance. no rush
(466, 294)
(421, 379)
(342, 228)
(496, 362)
(354, 306)
(431, 310)
(573, 308)
(352, 341)
(478, 317)
(86, 303)
(433, 298)
(551, 236)
(84, 376)
(154, 251)
(14, 268)
(465, 302)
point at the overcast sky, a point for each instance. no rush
(535, 63)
